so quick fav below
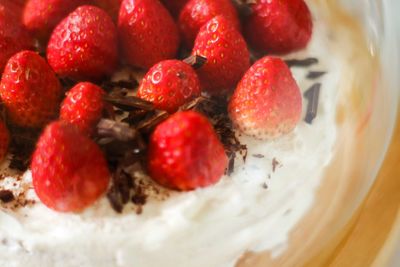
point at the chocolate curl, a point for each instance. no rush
(195, 61)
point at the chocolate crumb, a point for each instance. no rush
(265, 185)
(312, 95)
(6, 196)
(307, 62)
(259, 156)
(275, 163)
(315, 74)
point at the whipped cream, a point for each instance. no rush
(254, 209)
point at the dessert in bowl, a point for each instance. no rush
(268, 199)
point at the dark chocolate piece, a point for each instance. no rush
(312, 95)
(6, 196)
(195, 61)
(129, 103)
(117, 130)
(301, 62)
(275, 164)
(315, 74)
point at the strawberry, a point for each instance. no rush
(84, 45)
(4, 140)
(41, 16)
(169, 84)
(196, 13)
(69, 171)
(227, 55)
(30, 90)
(185, 152)
(267, 101)
(279, 27)
(13, 35)
(174, 6)
(147, 31)
(110, 6)
(83, 106)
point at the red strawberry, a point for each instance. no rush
(84, 45)
(110, 6)
(185, 153)
(83, 106)
(147, 31)
(279, 27)
(69, 171)
(227, 55)
(41, 16)
(174, 6)
(30, 90)
(196, 13)
(169, 84)
(267, 102)
(13, 36)
(4, 140)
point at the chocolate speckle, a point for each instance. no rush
(6, 196)
(275, 164)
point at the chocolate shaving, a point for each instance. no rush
(128, 103)
(6, 196)
(259, 156)
(312, 95)
(196, 61)
(307, 62)
(315, 74)
(117, 130)
(275, 164)
(119, 192)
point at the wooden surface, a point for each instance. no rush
(371, 238)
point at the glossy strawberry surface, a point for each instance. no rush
(196, 13)
(279, 26)
(84, 45)
(83, 106)
(30, 90)
(69, 171)
(227, 55)
(148, 33)
(185, 152)
(169, 84)
(267, 102)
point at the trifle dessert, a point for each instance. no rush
(174, 133)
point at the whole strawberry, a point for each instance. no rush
(110, 6)
(279, 27)
(69, 171)
(267, 101)
(41, 16)
(13, 35)
(174, 6)
(83, 106)
(147, 32)
(169, 84)
(196, 13)
(30, 90)
(185, 152)
(4, 140)
(84, 45)
(227, 55)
